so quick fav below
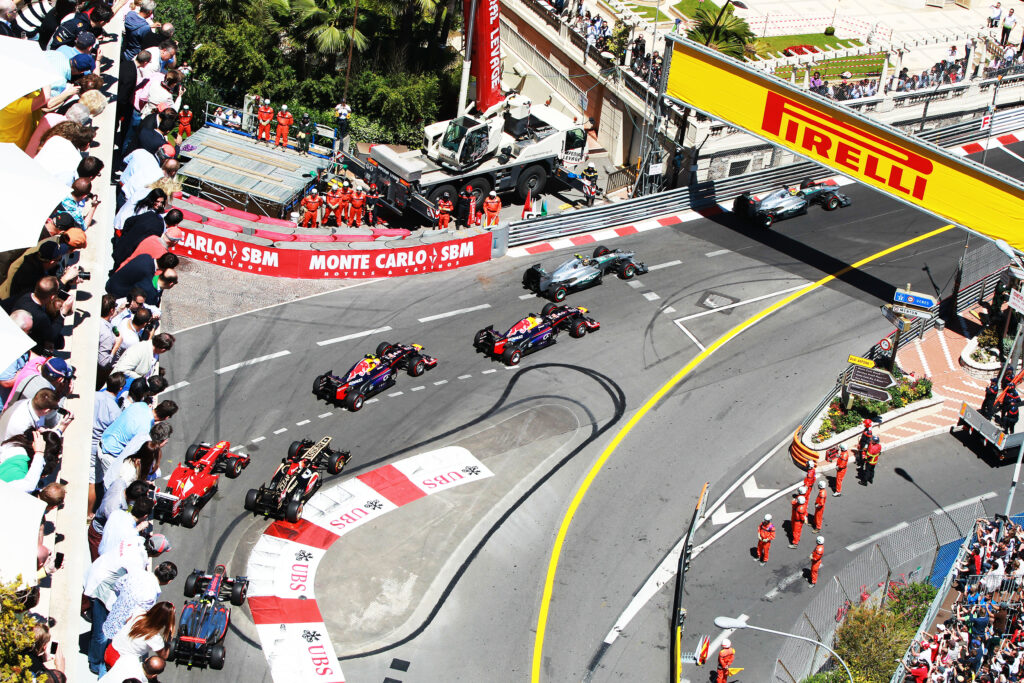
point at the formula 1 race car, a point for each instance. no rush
(373, 374)
(788, 202)
(534, 332)
(296, 480)
(204, 621)
(194, 482)
(580, 272)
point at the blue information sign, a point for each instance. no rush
(913, 299)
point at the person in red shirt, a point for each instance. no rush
(842, 463)
(333, 204)
(311, 205)
(492, 207)
(284, 120)
(444, 211)
(726, 656)
(871, 461)
(185, 122)
(819, 505)
(264, 115)
(810, 476)
(919, 671)
(815, 556)
(765, 536)
(797, 520)
(355, 209)
(156, 246)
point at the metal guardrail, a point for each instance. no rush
(968, 131)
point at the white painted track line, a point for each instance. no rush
(719, 252)
(354, 335)
(964, 503)
(651, 296)
(449, 314)
(258, 439)
(740, 303)
(669, 264)
(689, 334)
(282, 429)
(874, 537)
(178, 385)
(251, 361)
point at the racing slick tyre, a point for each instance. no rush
(600, 251)
(765, 219)
(294, 449)
(559, 293)
(532, 181)
(250, 500)
(354, 402)
(217, 655)
(628, 272)
(189, 515)
(190, 454)
(234, 469)
(832, 203)
(415, 366)
(578, 329)
(192, 585)
(511, 357)
(293, 512)
(336, 463)
(548, 308)
(383, 347)
(238, 591)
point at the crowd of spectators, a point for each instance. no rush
(982, 638)
(130, 628)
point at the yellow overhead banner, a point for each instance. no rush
(876, 155)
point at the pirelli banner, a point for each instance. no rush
(911, 170)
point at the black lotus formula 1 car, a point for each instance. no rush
(296, 479)
(580, 272)
(375, 373)
(788, 202)
(534, 332)
(204, 621)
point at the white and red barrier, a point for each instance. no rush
(335, 263)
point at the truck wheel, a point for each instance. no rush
(439, 192)
(250, 500)
(600, 251)
(416, 366)
(190, 454)
(531, 181)
(559, 294)
(238, 591)
(383, 347)
(548, 308)
(234, 469)
(578, 329)
(217, 655)
(293, 513)
(293, 450)
(480, 188)
(191, 585)
(511, 357)
(189, 515)
(354, 402)
(628, 272)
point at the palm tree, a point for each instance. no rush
(730, 35)
(328, 25)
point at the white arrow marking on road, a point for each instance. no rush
(354, 335)
(179, 385)
(722, 516)
(752, 490)
(717, 642)
(451, 313)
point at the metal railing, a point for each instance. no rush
(539, 63)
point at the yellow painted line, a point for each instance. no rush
(577, 499)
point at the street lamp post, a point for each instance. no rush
(736, 624)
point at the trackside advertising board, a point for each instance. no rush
(336, 263)
(874, 154)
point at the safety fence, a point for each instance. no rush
(773, 24)
(924, 550)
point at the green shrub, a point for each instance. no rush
(871, 640)
(830, 30)
(838, 419)
(912, 601)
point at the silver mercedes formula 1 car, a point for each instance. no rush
(581, 271)
(788, 202)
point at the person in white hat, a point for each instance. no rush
(819, 505)
(797, 520)
(284, 120)
(726, 656)
(815, 557)
(264, 115)
(492, 207)
(765, 536)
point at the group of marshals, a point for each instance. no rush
(303, 130)
(345, 204)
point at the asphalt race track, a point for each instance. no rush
(449, 588)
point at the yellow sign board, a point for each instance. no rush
(871, 153)
(863, 362)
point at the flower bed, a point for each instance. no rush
(838, 419)
(794, 50)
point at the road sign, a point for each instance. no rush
(863, 362)
(1017, 300)
(868, 392)
(986, 121)
(879, 379)
(901, 324)
(913, 312)
(903, 296)
(885, 344)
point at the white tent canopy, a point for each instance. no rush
(28, 194)
(13, 342)
(23, 513)
(26, 68)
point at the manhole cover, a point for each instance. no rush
(717, 300)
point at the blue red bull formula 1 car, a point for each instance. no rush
(204, 621)
(534, 332)
(371, 375)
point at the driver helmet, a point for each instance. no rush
(793, 191)
(266, 102)
(418, 347)
(369, 355)
(445, 195)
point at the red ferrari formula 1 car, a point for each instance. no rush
(204, 620)
(534, 332)
(373, 374)
(296, 480)
(194, 482)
